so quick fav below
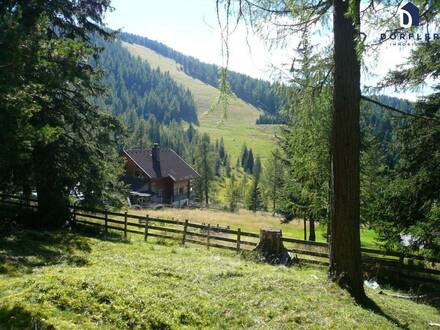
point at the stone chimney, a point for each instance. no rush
(155, 155)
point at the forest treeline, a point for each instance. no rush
(138, 91)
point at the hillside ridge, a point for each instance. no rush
(237, 128)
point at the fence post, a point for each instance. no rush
(73, 222)
(185, 227)
(238, 239)
(399, 269)
(74, 213)
(146, 227)
(106, 219)
(305, 229)
(125, 224)
(207, 237)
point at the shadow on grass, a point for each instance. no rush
(19, 318)
(98, 232)
(423, 292)
(371, 305)
(23, 250)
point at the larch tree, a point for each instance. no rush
(305, 142)
(273, 178)
(286, 18)
(345, 256)
(232, 193)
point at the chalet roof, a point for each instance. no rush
(169, 164)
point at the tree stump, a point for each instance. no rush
(271, 247)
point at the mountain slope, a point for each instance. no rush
(260, 93)
(239, 127)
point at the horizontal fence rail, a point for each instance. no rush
(411, 266)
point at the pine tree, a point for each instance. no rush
(254, 197)
(244, 156)
(227, 165)
(190, 133)
(221, 149)
(257, 170)
(204, 166)
(232, 193)
(273, 178)
(249, 166)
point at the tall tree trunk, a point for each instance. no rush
(305, 228)
(206, 186)
(27, 193)
(53, 207)
(328, 231)
(345, 256)
(329, 208)
(53, 201)
(274, 201)
(312, 234)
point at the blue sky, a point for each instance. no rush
(191, 27)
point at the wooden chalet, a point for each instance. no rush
(158, 176)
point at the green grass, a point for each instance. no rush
(63, 281)
(251, 222)
(239, 127)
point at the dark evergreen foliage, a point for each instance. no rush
(135, 87)
(270, 119)
(54, 139)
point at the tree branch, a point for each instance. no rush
(368, 99)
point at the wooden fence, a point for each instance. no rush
(376, 262)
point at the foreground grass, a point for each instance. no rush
(250, 221)
(63, 281)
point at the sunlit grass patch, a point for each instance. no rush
(146, 285)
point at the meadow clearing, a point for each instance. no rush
(89, 280)
(250, 221)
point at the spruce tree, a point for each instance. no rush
(49, 124)
(409, 201)
(244, 156)
(273, 178)
(204, 166)
(249, 166)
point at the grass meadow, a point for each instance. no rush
(250, 221)
(64, 280)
